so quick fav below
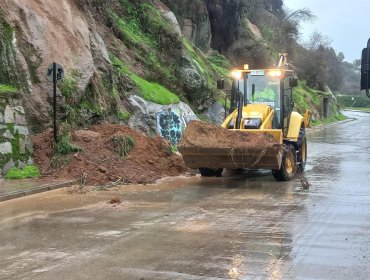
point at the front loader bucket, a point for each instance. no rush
(259, 149)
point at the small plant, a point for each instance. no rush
(65, 147)
(122, 144)
(124, 116)
(7, 88)
(68, 87)
(173, 149)
(30, 171)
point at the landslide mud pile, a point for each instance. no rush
(204, 135)
(102, 160)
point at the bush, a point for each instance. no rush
(30, 171)
(122, 144)
(7, 88)
(65, 147)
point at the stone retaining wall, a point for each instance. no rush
(15, 142)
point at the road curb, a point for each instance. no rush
(45, 188)
(320, 127)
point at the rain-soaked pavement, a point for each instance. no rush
(245, 227)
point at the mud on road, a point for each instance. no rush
(237, 227)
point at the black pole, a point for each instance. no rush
(55, 102)
(367, 68)
(240, 108)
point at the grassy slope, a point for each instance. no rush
(308, 98)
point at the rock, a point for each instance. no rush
(9, 115)
(30, 161)
(22, 164)
(1, 118)
(5, 148)
(216, 113)
(19, 109)
(23, 144)
(86, 135)
(103, 169)
(100, 45)
(8, 135)
(146, 114)
(194, 21)
(194, 82)
(22, 130)
(9, 165)
(20, 119)
(170, 16)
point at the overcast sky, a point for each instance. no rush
(346, 23)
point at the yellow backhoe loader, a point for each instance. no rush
(261, 102)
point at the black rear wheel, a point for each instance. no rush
(302, 150)
(288, 167)
(208, 172)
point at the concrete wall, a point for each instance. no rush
(15, 143)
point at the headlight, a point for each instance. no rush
(236, 74)
(275, 73)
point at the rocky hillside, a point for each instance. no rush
(163, 52)
(122, 57)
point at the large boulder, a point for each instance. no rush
(216, 113)
(52, 31)
(193, 80)
(168, 121)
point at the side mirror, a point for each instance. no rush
(221, 84)
(293, 82)
(365, 68)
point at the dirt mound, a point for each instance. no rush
(148, 160)
(205, 135)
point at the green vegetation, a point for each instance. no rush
(7, 89)
(124, 116)
(220, 64)
(65, 147)
(359, 109)
(306, 97)
(324, 121)
(201, 60)
(142, 27)
(155, 93)
(68, 86)
(358, 102)
(30, 171)
(11, 70)
(150, 91)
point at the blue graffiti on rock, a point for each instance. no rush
(171, 123)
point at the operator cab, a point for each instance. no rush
(271, 87)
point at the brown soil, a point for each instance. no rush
(115, 200)
(149, 160)
(205, 135)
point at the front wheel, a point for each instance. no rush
(288, 167)
(207, 172)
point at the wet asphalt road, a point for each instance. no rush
(241, 227)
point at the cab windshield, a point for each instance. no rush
(263, 90)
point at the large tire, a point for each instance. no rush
(207, 172)
(302, 150)
(288, 167)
